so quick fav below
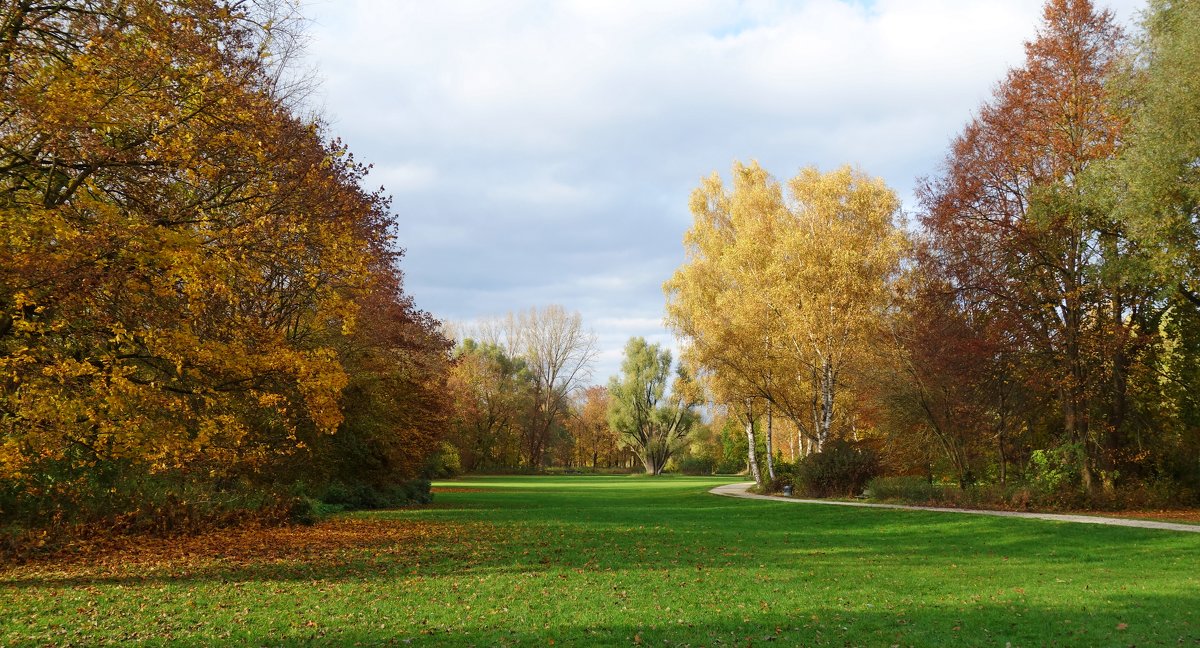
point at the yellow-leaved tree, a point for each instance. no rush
(785, 288)
(191, 277)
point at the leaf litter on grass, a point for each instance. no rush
(328, 545)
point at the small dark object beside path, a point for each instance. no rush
(743, 490)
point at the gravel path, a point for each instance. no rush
(743, 490)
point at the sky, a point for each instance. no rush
(543, 152)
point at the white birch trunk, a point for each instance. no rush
(751, 455)
(827, 389)
(770, 446)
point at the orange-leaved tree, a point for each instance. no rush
(180, 254)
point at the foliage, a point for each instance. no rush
(695, 465)
(559, 354)
(1156, 171)
(786, 474)
(444, 463)
(191, 276)
(595, 441)
(1040, 312)
(840, 469)
(909, 489)
(733, 450)
(783, 289)
(652, 423)
(362, 496)
(492, 395)
(513, 389)
(1055, 469)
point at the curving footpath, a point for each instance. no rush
(743, 490)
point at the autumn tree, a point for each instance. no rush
(1155, 189)
(186, 266)
(396, 405)
(782, 288)
(492, 394)
(559, 354)
(1019, 235)
(944, 388)
(1158, 176)
(596, 441)
(651, 421)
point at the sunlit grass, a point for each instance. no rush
(624, 561)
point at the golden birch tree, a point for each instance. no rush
(784, 286)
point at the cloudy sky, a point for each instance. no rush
(543, 152)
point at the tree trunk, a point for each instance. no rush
(770, 446)
(816, 413)
(1003, 456)
(751, 455)
(827, 394)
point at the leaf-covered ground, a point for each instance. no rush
(587, 561)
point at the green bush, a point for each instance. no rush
(730, 465)
(444, 463)
(841, 468)
(1053, 479)
(361, 496)
(691, 465)
(912, 489)
(785, 475)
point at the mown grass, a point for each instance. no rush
(584, 561)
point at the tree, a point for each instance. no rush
(780, 290)
(396, 404)
(1019, 235)
(1155, 184)
(948, 387)
(595, 440)
(1157, 172)
(492, 396)
(654, 424)
(559, 354)
(188, 270)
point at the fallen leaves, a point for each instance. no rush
(329, 544)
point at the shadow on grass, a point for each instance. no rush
(606, 566)
(1121, 622)
(485, 532)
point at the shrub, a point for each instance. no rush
(730, 465)
(1052, 477)
(841, 468)
(367, 496)
(910, 488)
(785, 475)
(691, 465)
(444, 463)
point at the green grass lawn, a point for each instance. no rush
(586, 561)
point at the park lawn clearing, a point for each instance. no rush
(584, 560)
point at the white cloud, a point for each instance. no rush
(404, 177)
(543, 152)
(540, 192)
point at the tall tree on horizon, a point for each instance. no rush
(1017, 233)
(651, 421)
